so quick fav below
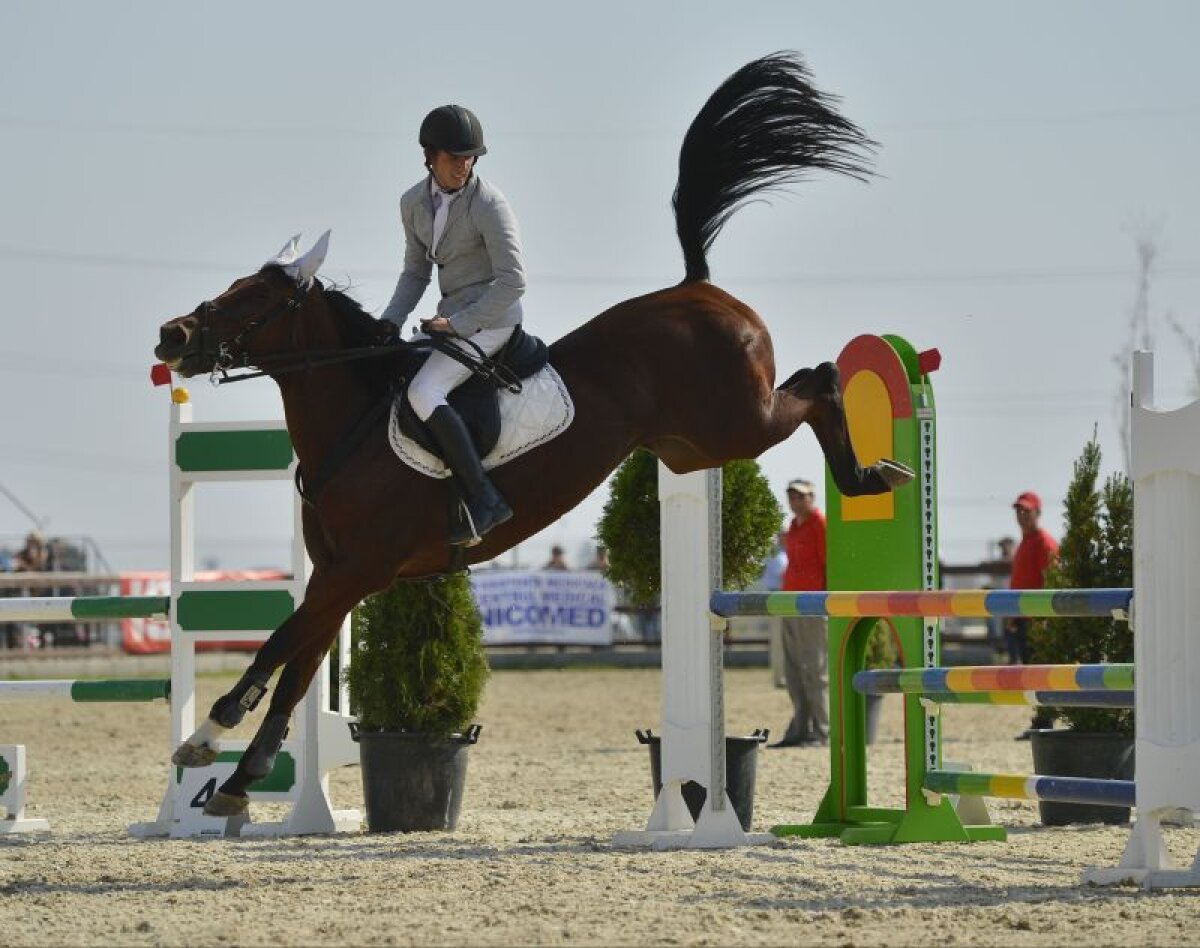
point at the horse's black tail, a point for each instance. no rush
(763, 128)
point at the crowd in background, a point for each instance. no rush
(41, 555)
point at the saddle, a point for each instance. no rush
(477, 399)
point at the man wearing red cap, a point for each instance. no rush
(1033, 557)
(805, 656)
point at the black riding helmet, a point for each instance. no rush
(454, 129)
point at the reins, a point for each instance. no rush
(227, 355)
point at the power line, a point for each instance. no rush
(1182, 270)
(610, 133)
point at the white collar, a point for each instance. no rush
(447, 196)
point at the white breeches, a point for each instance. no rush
(440, 374)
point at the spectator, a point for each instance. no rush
(600, 560)
(776, 565)
(10, 632)
(34, 556)
(772, 581)
(1001, 565)
(557, 559)
(804, 645)
(1030, 561)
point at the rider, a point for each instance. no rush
(462, 223)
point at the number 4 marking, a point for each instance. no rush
(205, 793)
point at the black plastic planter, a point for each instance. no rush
(1065, 753)
(741, 768)
(412, 782)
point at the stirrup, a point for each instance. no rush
(474, 539)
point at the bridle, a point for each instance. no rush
(232, 354)
(226, 354)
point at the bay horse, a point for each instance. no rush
(687, 372)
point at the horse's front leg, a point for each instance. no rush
(327, 600)
(259, 758)
(310, 632)
(227, 711)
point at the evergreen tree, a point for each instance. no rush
(418, 662)
(629, 526)
(1096, 552)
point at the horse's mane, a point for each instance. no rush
(357, 329)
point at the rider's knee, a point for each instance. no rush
(424, 398)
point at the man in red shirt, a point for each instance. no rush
(805, 655)
(1029, 564)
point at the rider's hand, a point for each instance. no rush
(386, 333)
(438, 324)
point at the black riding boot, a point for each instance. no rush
(485, 506)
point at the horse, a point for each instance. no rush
(687, 372)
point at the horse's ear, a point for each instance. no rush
(306, 267)
(286, 256)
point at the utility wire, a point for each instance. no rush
(1184, 270)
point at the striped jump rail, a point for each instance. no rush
(977, 679)
(1039, 699)
(82, 608)
(128, 689)
(1035, 787)
(965, 603)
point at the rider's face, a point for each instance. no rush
(451, 171)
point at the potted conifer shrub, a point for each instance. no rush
(1096, 551)
(630, 529)
(415, 680)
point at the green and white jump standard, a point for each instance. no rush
(12, 793)
(216, 452)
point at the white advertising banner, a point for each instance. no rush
(559, 607)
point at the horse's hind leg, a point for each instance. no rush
(826, 415)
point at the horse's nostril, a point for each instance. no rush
(173, 335)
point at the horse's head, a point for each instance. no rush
(254, 317)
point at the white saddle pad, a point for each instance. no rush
(541, 411)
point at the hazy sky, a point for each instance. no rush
(154, 152)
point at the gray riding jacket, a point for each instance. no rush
(480, 272)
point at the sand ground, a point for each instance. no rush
(557, 773)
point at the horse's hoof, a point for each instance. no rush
(226, 804)
(894, 473)
(194, 755)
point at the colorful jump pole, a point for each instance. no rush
(1040, 699)
(978, 678)
(129, 689)
(1035, 787)
(965, 603)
